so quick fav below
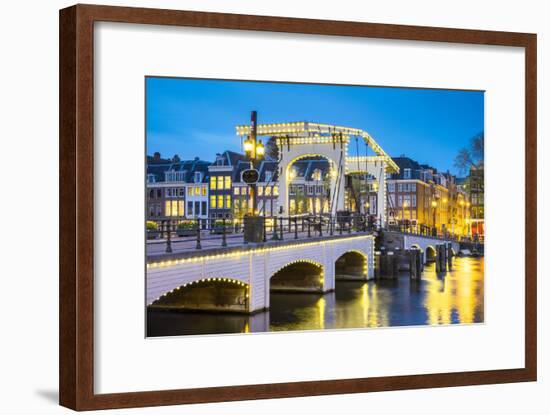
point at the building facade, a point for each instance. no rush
(176, 190)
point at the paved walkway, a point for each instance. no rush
(208, 241)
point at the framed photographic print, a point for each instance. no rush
(256, 207)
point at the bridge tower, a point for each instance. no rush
(299, 140)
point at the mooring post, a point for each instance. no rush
(281, 229)
(450, 256)
(295, 228)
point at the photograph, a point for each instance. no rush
(279, 206)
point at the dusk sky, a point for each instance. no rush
(192, 117)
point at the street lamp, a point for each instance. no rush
(404, 206)
(254, 151)
(434, 206)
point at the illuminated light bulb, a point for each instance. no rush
(248, 145)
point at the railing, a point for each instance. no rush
(219, 233)
(424, 230)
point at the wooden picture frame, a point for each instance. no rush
(76, 304)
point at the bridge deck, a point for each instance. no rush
(185, 247)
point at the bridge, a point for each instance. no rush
(212, 272)
(239, 278)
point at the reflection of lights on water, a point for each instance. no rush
(459, 294)
(321, 306)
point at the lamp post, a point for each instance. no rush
(461, 203)
(254, 151)
(469, 212)
(434, 206)
(404, 206)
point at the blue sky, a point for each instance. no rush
(192, 117)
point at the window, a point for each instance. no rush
(203, 190)
(198, 177)
(391, 187)
(159, 193)
(292, 206)
(203, 206)
(413, 201)
(268, 191)
(167, 208)
(220, 201)
(220, 182)
(413, 187)
(189, 191)
(228, 201)
(268, 175)
(292, 190)
(227, 181)
(197, 208)
(197, 191)
(181, 192)
(190, 208)
(151, 194)
(212, 182)
(260, 190)
(212, 202)
(237, 191)
(180, 208)
(407, 173)
(399, 187)
(276, 190)
(309, 190)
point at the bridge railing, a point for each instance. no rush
(424, 230)
(195, 234)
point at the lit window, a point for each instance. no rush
(174, 208)
(212, 202)
(228, 182)
(276, 190)
(260, 191)
(197, 191)
(220, 182)
(237, 190)
(220, 201)
(204, 190)
(213, 182)
(268, 191)
(167, 208)
(228, 201)
(189, 191)
(292, 206)
(180, 207)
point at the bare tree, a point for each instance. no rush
(472, 156)
(271, 149)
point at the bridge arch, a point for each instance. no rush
(352, 265)
(207, 294)
(430, 254)
(301, 275)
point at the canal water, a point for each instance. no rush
(456, 297)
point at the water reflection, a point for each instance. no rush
(451, 298)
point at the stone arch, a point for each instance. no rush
(430, 254)
(207, 294)
(351, 265)
(301, 275)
